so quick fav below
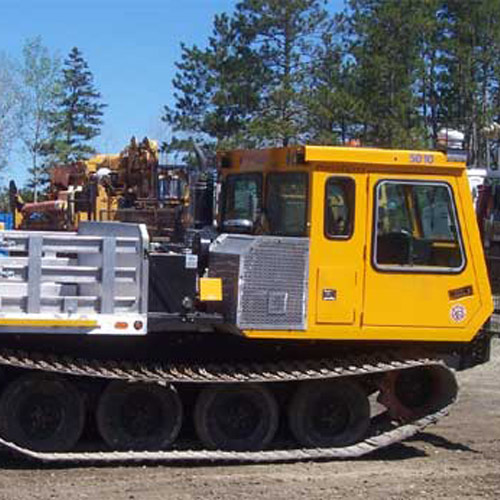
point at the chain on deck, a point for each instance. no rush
(383, 434)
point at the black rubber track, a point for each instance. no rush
(382, 432)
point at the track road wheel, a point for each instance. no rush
(236, 417)
(325, 414)
(139, 416)
(42, 412)
(412, 393)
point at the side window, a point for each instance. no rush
(339, 207)
(416, 227)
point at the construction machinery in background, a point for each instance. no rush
(130, 187)
(336, 277)
(485, 186)
(483, 173)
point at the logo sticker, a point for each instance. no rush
(458, 313)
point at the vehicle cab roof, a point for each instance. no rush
(432, 162)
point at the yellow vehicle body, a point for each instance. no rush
(337, 278)
(352, 297)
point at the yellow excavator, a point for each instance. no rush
(335, 277)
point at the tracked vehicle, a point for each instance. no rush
(324, 318)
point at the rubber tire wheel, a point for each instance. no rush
(313, 397)
(120, 396)
(52, 389)
(257, 398)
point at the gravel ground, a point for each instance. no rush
(458, 458)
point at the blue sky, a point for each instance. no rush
(131, 47)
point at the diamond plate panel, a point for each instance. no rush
(273, 285)
(264, 280)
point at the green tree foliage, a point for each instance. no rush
(246, 87)
(333, 110)
(384, 41)
(39, 74)
(429, 69)
(77, 117)
(9, 105)
(216, 90)
(388, 72)
(421, 66)
(283, 36)
(471, 77)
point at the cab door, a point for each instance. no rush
(417, 271)
(337, 241)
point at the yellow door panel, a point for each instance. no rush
(416, 300)
(336, 295)
(336, 260)
(400, 290)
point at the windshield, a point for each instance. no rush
(243, 198)
(283, 212)
(286, 203)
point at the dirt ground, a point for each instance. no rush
(458, 458)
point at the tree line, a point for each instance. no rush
(387, 73)
(48, 108)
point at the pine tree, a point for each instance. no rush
(470, 85)
(429, 69)
(216, 91)
(247, 87)
(332, 108)
(385, 45)
(76, 119)
(283, 36)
